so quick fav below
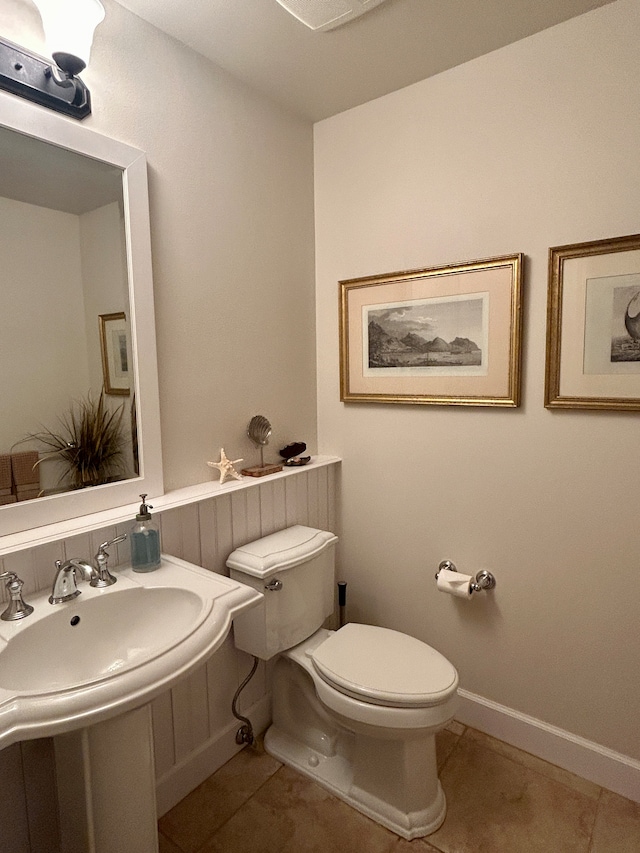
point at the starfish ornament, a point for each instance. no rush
(225, 466)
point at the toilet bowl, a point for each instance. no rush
(356, 709)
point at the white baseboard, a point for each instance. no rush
(600, 765)
(609, 769)
(182, 778)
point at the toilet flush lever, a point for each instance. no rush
(273, 586)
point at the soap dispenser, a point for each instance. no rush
(145, 541)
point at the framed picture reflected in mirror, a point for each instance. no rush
(114, 343)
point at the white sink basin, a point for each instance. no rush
(110, 650)
(95, 638)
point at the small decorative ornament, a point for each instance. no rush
(259, 430)
(291, 454)
(225, 466)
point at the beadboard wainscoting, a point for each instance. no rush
(193, 724)
(194, 729)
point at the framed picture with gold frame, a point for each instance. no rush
(116, 354)
(446, 335)
(593, 325)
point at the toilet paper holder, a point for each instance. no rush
(483, 580)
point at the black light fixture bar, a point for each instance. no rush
(29, 76)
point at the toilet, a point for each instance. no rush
(357, 709)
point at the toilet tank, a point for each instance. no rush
(294, 569)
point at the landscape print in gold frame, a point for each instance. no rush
(593, 325)
(446, 335)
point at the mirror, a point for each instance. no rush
(77, 334)
(65, 293)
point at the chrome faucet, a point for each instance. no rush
(65, 584)
(17, 608)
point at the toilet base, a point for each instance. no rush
(335, 773)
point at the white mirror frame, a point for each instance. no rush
(37, 122)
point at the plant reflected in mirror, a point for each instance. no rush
(90, 443)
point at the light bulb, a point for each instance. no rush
(69, 26)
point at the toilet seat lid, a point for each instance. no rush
(384, 667)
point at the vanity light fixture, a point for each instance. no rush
(69, 26)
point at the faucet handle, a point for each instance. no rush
(17, 608)
(103, 576)
(102, 549)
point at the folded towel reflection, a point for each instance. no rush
(24, 467)
(27, 493)
(5, 472)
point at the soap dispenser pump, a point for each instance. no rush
(145, 540)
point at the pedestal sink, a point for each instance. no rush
(84, 672)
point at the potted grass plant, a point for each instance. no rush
(90, 442)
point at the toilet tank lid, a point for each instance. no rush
(281, 550)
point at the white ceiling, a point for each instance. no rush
(319, 74)
(36, 172)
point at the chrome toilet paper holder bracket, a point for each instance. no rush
(483, 580)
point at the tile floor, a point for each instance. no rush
(500, 800)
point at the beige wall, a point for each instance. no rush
(231, 194)
(104, 278)
(40, 274)
(533, 146)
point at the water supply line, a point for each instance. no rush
(245, 732)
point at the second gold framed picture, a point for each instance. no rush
(443, 336)
(593, 325)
